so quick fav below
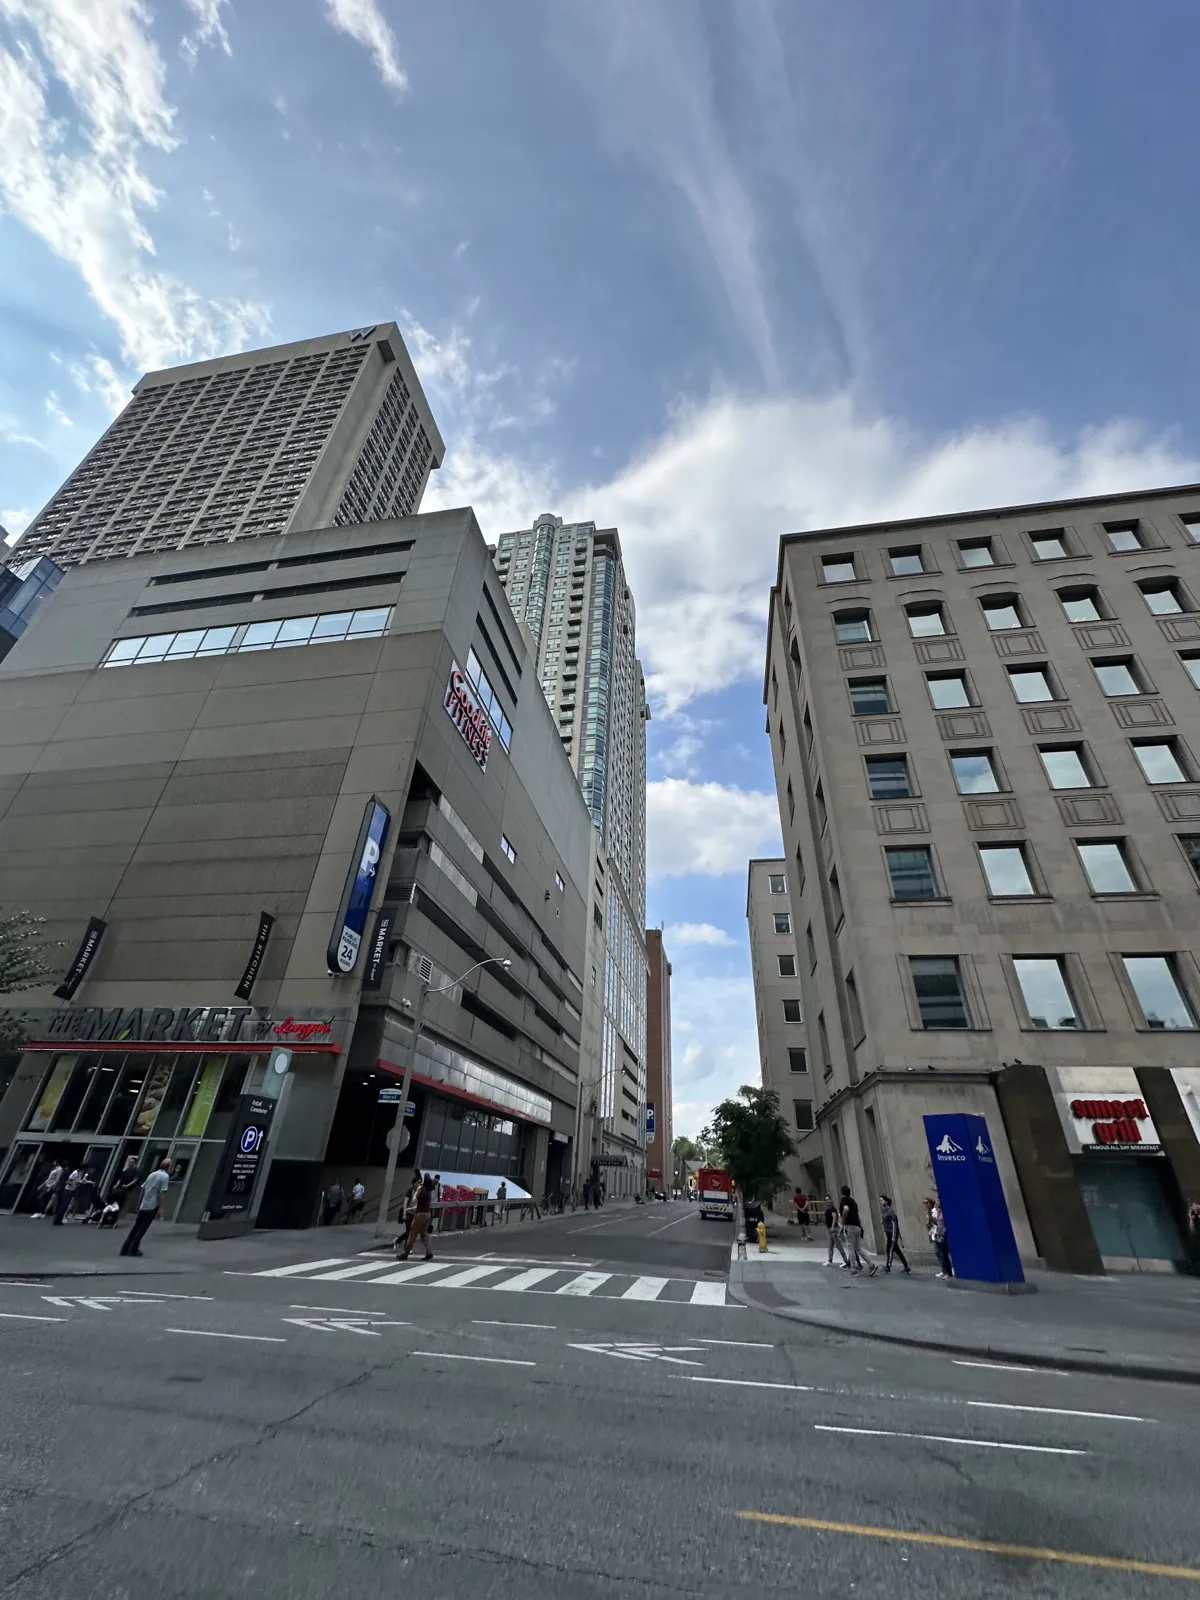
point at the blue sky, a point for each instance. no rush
(707, 271)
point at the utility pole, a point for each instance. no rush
(418, 1011)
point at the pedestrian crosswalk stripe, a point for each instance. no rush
(500, 1276)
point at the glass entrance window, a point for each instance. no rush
(102, 1081)
(125, 1096)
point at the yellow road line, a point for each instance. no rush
(945, 1541)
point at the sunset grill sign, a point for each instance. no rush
(1111, 1123)
(468, 716)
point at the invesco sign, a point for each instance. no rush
(468, 716)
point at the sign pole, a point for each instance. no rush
(389, 1180)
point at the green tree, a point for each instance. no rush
(24, 963)
(752, 1141)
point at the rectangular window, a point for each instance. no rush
(782, 741)
(329, 628)
(792, 1012)
(1006, 869)
(1189, 843)
(508, 849)
(811, 947)
(823, 1039)
(852, 1006)
(1050, 545)
(1106, 863)
(838, 569)
(907, 561)
(822, 809)
(853, 627)
(910, 872)
(835, 896)
(787, 966)
(1159, 760)
(926, 620)
(803, 1112)
(559, 884)
(975, 772)
(791, 802)
(948, 690)
(1125, 535)
(1191, 526)
(976, 553)
(1082, 605)
(1046, 993)
(1155, 982)
(1165, 597)
(797, 1060)
(1066, 766)
(888, 777)
(777, 883)
(1117, 676)
(1031, 684)
(1001, 612)
(941, 999)
(869, 697)
(1191, 665)
(783, 922)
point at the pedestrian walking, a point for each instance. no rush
(502, 1203)
(800, 1200)
(422, 1216)
(852, 1229)
(358, 1202)
(833, 1227)
(48, 1189)
(335, 1197)
(87, 1196)
(937, 1234)
(65, 1198)
(891, 1233)
(149, 1206)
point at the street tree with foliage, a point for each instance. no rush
(752, 1141)
(24, 963)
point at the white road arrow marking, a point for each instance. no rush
(343, 1325)
(675, 1353)
(99, 1302)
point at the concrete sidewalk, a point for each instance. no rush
(1144, 1325)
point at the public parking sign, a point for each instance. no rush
(234, 1188)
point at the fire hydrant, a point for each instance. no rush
(762, 1237)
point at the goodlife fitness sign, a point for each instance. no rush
(468, 716)
(1107, 1123)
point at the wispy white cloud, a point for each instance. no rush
(364, 21)
(707, 828)
(95, 374)
(677, 933)
(14, 520)
(209, 29)
(82, 103)
(53, 408)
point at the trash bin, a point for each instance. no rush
(752, 1214)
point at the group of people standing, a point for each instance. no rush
(75, 1193)
(844, 1229)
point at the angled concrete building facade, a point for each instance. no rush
(784, 1060)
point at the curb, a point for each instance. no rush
(93, 1272)
(1148, 1371)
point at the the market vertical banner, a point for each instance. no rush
(257, 951)
(84, 956)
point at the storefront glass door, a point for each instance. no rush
(1127, 1208)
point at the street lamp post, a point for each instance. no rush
(418, 1011)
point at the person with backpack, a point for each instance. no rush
(334, 1200)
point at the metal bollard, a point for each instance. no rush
(762, 1237)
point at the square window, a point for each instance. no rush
(1006, 869)
(1002, 611)
(508, 849)
(787, 966)
(1081, 605)
(1046, 993)
(1189, 843)
(1191, 665)
(925, 621)
(777, 883)
(797, 1060)
(156, 646)
(1116, 677)
(869, 697)
(1191, 526)
(216, 641)
(1159, 760)
(803, 1111)
(1066, 767)
(853, 627)
(333, 625)
(1106, 865)
(783, 922)
(941, 999)
(122, 652)
(1155, 982)
(906, 562)
(296, 630)
(976, 553)
(259, 636)
(1050, 545)
(792, 1012)
(838, 569)
(186, 644)
(1125, 535)
(910, 872)
(975, 772)
(948, 690)
(888, 778)
(1164, 597)
(1031, 684)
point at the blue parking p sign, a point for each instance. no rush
(650, 1117)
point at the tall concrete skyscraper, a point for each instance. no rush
(566, 585)
(323, 432)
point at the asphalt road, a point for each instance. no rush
(566, 1421)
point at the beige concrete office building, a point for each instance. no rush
(341, 730)
(783, 1055)
(659, 1158)
(986, 742)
